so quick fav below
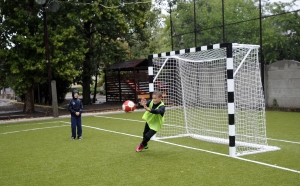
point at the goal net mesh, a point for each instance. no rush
(194, 87)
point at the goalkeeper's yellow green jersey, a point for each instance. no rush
(155, 121)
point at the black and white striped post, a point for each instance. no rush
(230, 98)
(150, 73)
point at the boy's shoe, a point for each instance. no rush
(146, 147)
(72, 138)
(139, 148)
(80, 138)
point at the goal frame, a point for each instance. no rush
(229, 79)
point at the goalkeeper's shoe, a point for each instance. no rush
(139, 148)
(146, 147)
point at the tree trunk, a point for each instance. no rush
(29, 100)
(95, 89)
(86, 92)
(87, 68)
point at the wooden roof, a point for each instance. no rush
(137, 64)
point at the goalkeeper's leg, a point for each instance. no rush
(148, 136)
(146, 129)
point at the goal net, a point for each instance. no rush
(213, 93)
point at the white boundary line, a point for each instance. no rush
(33, 129)
(20, 120)
(286, 141)
(100, 115)
(111, 131)
(120, 119)
(295, 142)
(32, 124)
(193, 148)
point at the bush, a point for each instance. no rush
(92, 90)
(102, 92)
(77, 88)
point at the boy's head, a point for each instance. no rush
(156, 97)
(75, 94)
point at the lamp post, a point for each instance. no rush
(171, 24)
(262, 62)
(47, 52)
(53, 7)
(43, 3)
(195, 25)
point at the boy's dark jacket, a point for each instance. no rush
(75, 105)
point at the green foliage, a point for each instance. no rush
(92, 90)
(83, 38)
(281, 34)
(24, 48)
(275, 104)
(77, 88)
(105, 30)
(101, 80)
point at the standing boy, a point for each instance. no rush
(75, 108)
(154, 117)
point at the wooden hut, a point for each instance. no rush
(127, 80)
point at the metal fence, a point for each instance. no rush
(224, 29)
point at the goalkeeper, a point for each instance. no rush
(154, 117)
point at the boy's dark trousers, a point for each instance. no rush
(148, 133)
(76, 122)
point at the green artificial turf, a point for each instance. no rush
(41, 153)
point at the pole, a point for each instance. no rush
(262, 63)
(171, 25)
(223, 21)
(195, 26)
(54, 100)
(47, 52)
(95, 87)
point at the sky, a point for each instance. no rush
(288, 1)
(297, 6)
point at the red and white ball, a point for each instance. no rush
(128, 106)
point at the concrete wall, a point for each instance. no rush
(282, 83)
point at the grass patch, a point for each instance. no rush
(41, 153)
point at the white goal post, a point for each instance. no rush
(212, 93)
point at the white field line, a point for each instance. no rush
(128, 120)
(20, 120)
(193, 148)
(120, 118)
(32, 124)
(112, 131)
(286, 141)
(33, 129)
(295, 142)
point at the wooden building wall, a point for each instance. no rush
(126, 85)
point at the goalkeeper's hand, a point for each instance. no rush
(143, 102)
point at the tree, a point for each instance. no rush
(24, 49)
(280, 33)
(154, 38)
(111, 23)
